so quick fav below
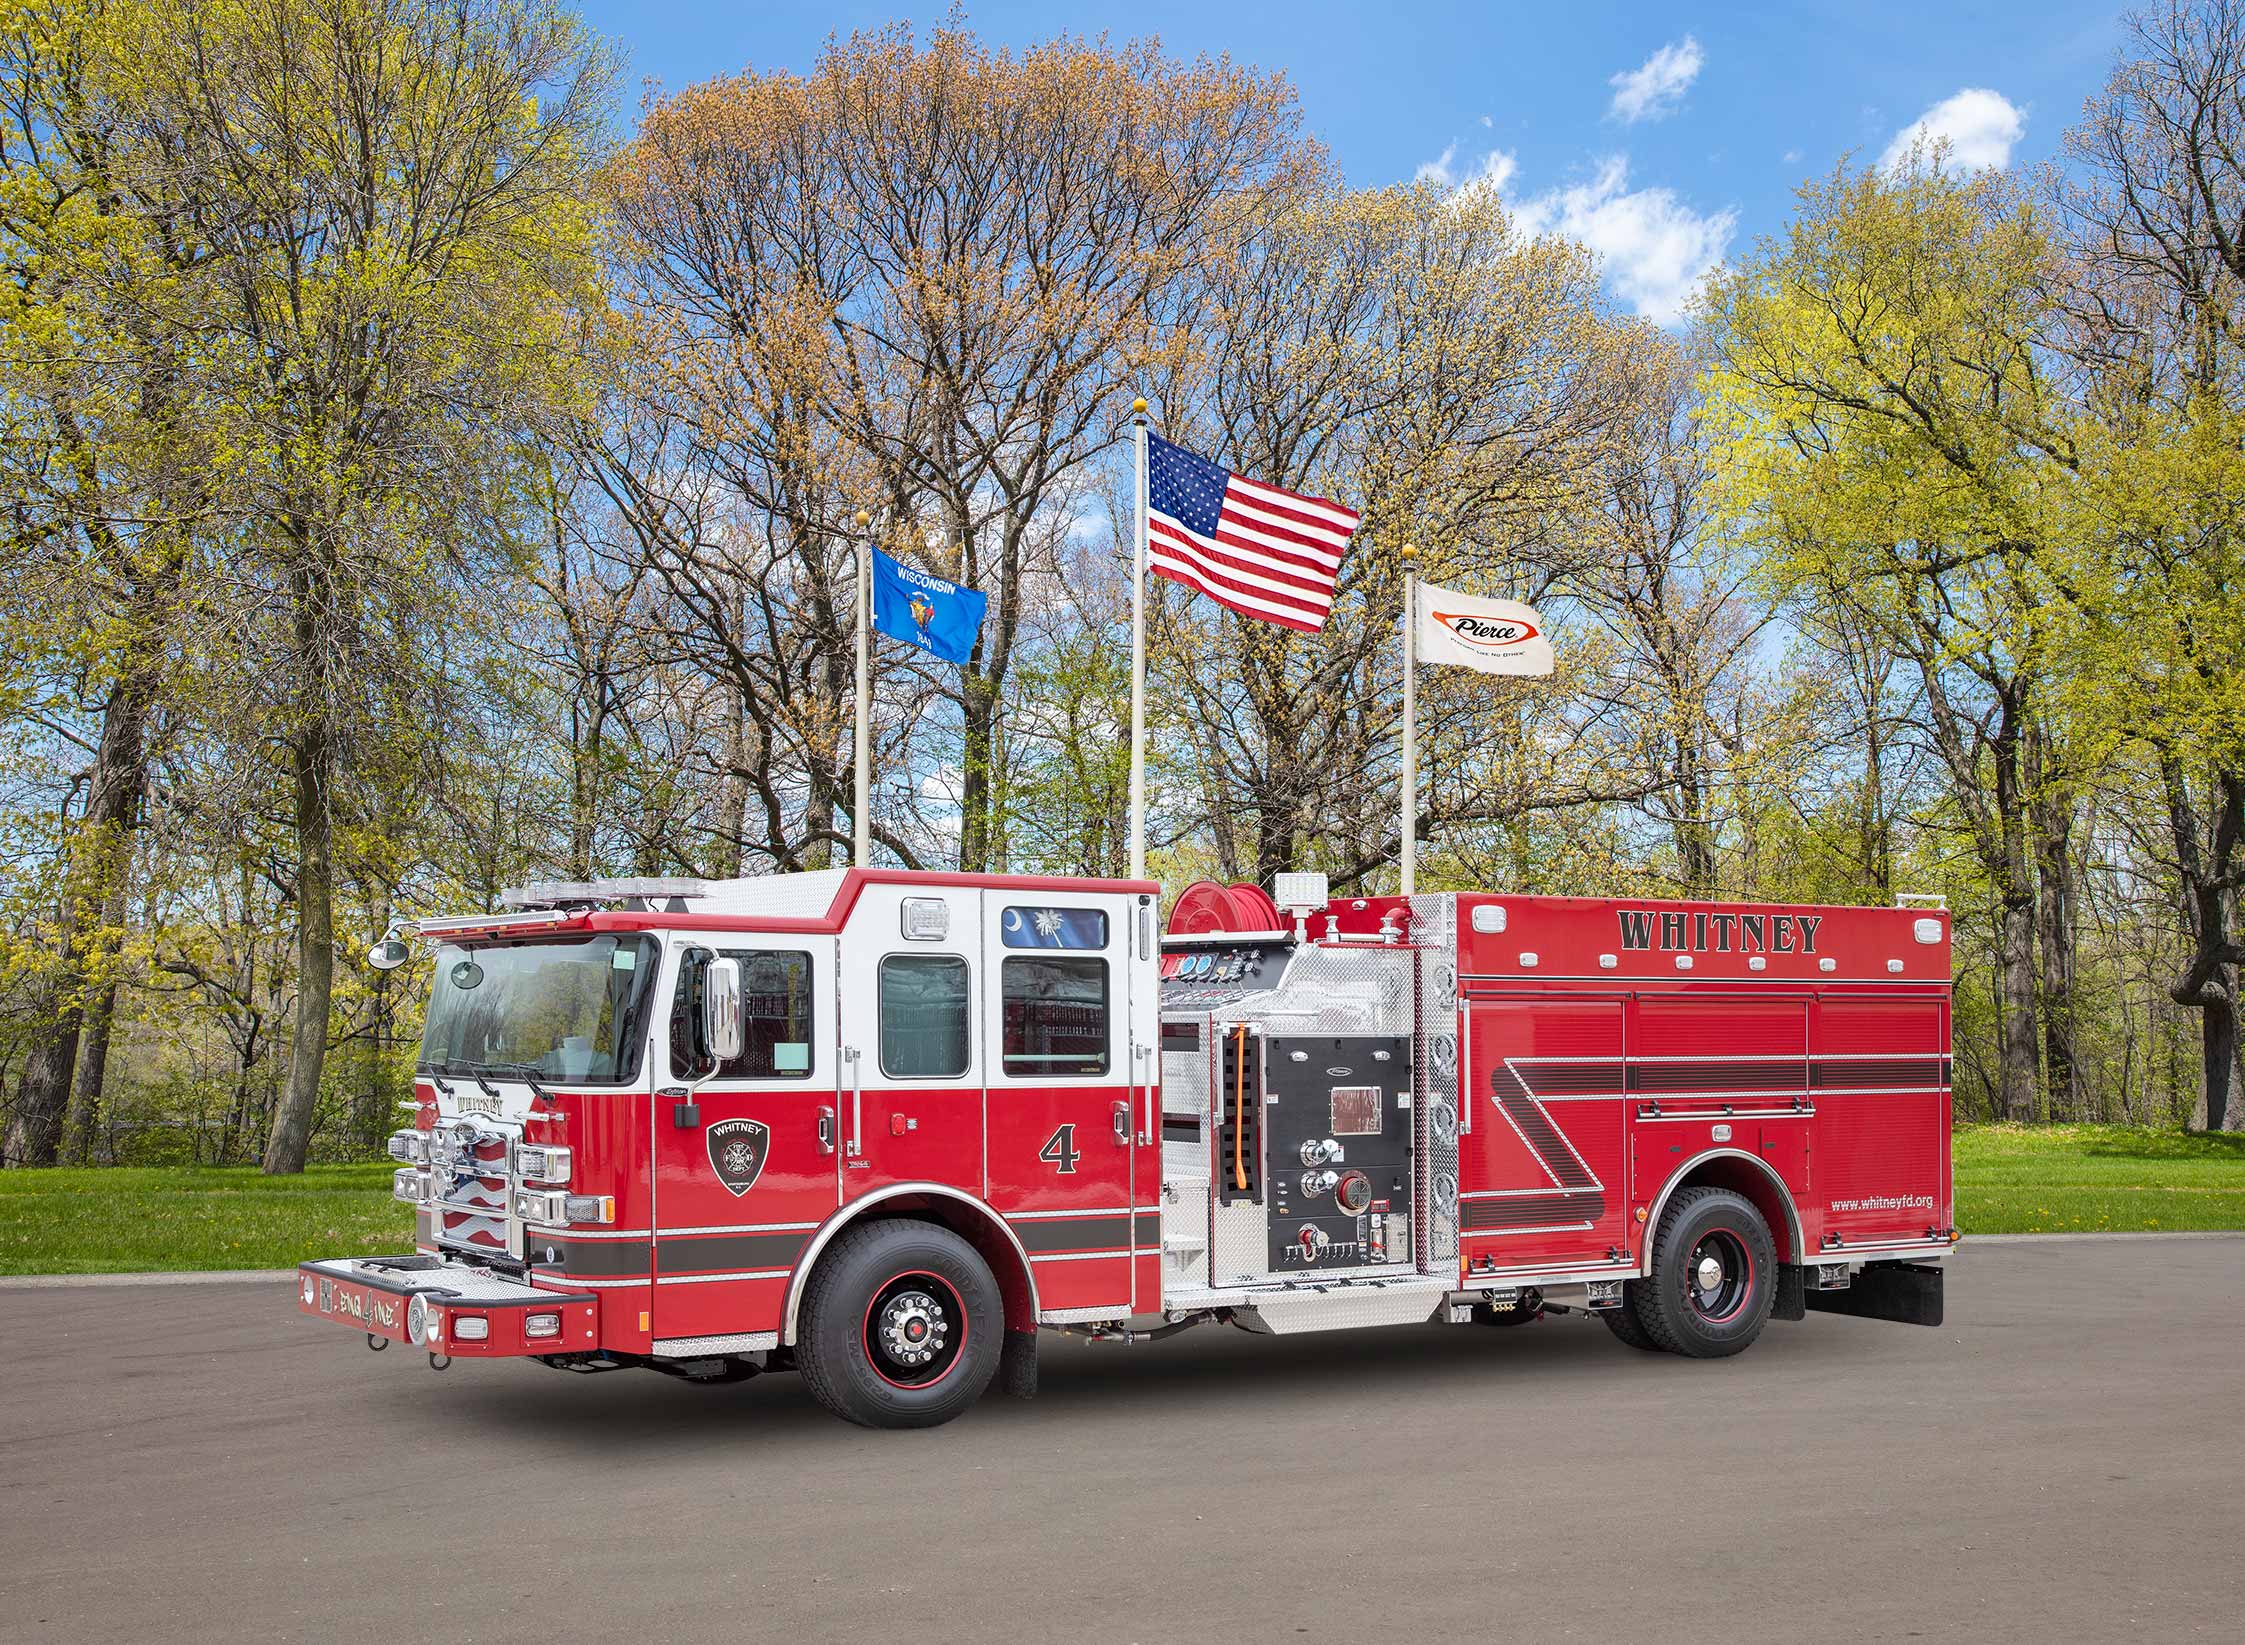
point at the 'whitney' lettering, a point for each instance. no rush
(1755, 933)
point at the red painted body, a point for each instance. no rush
(1607, 1049)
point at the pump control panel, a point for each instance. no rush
(1337, 1129)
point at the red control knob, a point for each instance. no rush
(1353, 1193)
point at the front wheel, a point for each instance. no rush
(1714, 1275)
(902, 1326)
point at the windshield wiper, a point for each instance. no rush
(436, 1072)
(523, 1071)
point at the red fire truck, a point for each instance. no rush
(883, 1127)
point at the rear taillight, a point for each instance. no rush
(470, 1328)
(542, 1325)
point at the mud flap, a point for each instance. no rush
(1906, 1292)
(1791, 1289)
(1017, 1364)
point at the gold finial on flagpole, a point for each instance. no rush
(1138, 408)
(863, 519)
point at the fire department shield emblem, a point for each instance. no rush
(736, 1153)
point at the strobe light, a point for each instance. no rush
(542, 1325)
(409, 1146)
(470, 1328)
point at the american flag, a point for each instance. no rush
(1263, 552)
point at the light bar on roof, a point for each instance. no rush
(545, 893)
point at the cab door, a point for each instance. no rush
(747, 1161)
(911, 1045)
(1063, 1102)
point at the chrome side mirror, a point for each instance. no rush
(390, 953)
(723, 1024)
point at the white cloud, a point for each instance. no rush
(1653, 91)
(1977, 125)
(1494, 171)
(1438, 170)
(1486, 121)
(1792, 157)
(1655, 247)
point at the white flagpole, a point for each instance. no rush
(1138, 652)
(1410, 784)
(861, 844)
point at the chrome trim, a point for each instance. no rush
(718, 1279)
(849, 1213)
(741, 1342)
(1650, 1227)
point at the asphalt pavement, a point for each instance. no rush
(2064, 1460)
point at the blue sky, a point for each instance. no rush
(1667, 136)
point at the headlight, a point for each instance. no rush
(410, 1146)
(417, 1320)
(535, 1162)
(409, 1185)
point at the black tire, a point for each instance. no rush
(1623, 1321)
(902, 1325)
(1708, 1312)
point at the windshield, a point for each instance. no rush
(546, 1010)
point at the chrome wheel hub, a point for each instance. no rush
(913, 1327)
(1710, 1273)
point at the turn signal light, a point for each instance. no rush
(543, 1206)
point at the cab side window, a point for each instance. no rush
(776, 1001)
(1055, 1016)
(926, 1030)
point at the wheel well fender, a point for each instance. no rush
(1743, 1174)
(970, 1218)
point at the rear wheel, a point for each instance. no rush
(1714, 1275)
(901, 1325)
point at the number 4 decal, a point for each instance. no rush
(1060, 1151)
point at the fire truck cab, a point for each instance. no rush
(883, 1127)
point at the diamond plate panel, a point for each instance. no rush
(1436, 1063)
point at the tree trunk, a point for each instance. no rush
(2053, 815)
(2203, 858)
(43, 1096)
(2015, 938)
(978, 750)
(92, 895)
(312, 755)
(315, 949)
(93, 1073)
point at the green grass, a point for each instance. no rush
(2011, 1179)
(2021, 1179)
(133, 1219)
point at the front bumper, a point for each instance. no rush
(447, 1306)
